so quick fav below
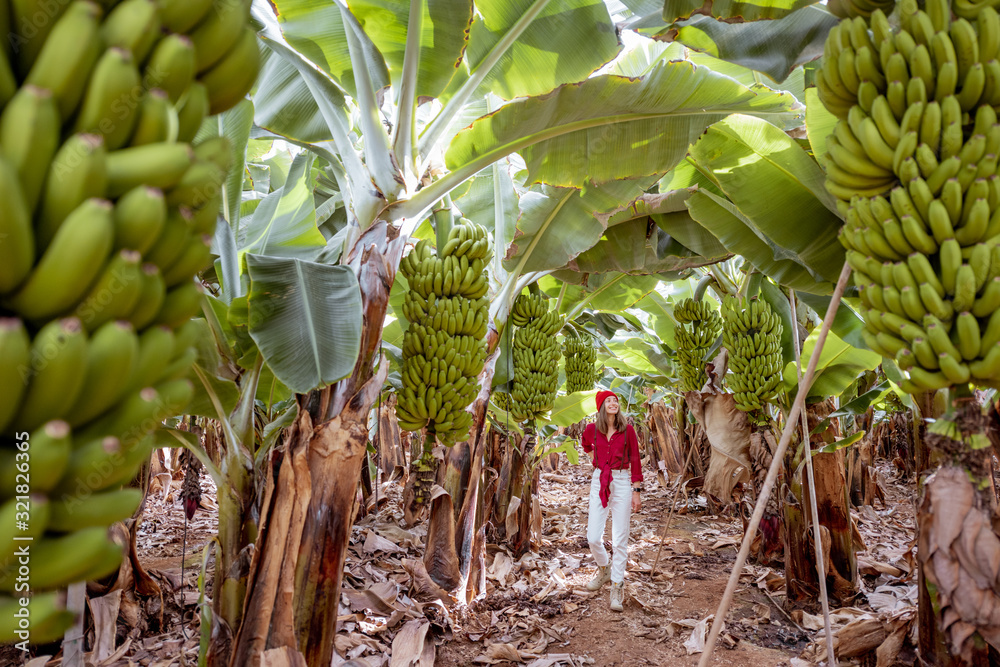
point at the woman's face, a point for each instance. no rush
(611, 405)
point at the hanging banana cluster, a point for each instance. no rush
(108, 211)
(502, 399)
(751, 332)
(581, 374)
(915, 161)
(852, 8)
(444, 347)
(699, 328)
(536, 355)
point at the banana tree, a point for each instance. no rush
(322, 88)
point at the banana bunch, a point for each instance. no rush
(580, 371)
(502, 399)
(699, 328)
(536, 355)
(751, 332)
(109, 207)
(864, 8)
(444, 347)
(924, 240)
(904, 98)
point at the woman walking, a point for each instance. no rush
(614, 489)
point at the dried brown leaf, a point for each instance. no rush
(951, 497)
(408, 645)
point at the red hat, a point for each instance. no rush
(602, 395)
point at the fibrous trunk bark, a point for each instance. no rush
(295, 576)
(833, 511)
(957, 542)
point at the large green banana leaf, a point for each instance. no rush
(284, 104)
(316, 29)
(839, 365)
(234, 125)
(661, 317)
(819, 123)
(612, 292)
(489, 199)
(847, 324)
(566, 42)
(569, 409)
(735, 231)
(610, 127)
(305, 318)
(774, 48)
(557, 224)
(778, 189)
(284, 223)
(637, 356)
(750, 10)
(638, 247)
(444, 33)
(645, 54)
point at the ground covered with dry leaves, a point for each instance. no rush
(537, 611)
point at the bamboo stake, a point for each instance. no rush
(817, 533)
(673, 501)
(772, 473)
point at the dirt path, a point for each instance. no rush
(655, 624)
(536, 611)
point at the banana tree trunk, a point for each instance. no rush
(391, 456)
(768, 547)
(295, 577)
(525, 488)
(460, 477)
(833, 510)
(959, 604)
(667, 449)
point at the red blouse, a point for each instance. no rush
(612, 456)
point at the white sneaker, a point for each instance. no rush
(602, 577)
(617, 596)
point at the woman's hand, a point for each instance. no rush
(636, 501)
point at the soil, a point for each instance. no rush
(576, 627)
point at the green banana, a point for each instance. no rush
(157, 119)
(195, 259)
(182, 15)
(133, 25)
(69, 265)
(50, 448)
(151, 298)
(110, 105)
(50, 567)
(65, 61)
(214, 37)
(191, 111)
(158, 166)
(171, 66)
(111, 356)
(114, 293)
(15, 360)
(139, 217)
(78, 173)
(17, 251)
(155, 351)
(35, 512)
(229, 80)
(29, 137)
(100, 509)
(180, 304)
(173, 239)
(55, 375)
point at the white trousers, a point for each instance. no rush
(620, 508)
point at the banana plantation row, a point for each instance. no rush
(242, 227)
